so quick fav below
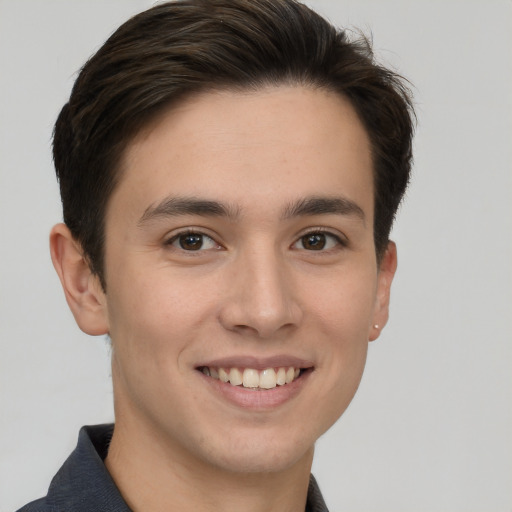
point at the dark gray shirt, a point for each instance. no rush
(83, 483)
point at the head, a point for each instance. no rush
(230, 171)
(179, 49)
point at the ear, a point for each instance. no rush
(387, 269)
(84, 294)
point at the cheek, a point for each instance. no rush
(343, 314)
(140, 326)
(155, 315)
(148, 331)
(344, 302)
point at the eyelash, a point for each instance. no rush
(190, 232)
(339, 241)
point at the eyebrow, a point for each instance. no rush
(317, 205)
(176, 206)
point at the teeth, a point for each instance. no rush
(223, 375)
(235, 377)
(251, 379)
(281, 377)
(254, 379)
(268, 378)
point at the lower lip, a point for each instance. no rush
(256, 399)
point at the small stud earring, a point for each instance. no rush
(375, 326)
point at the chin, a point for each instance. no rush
(254, 455)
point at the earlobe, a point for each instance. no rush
(387, 269)
(82, 289)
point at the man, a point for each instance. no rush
(229, 173)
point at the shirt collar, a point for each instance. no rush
(84, 471)
(83, 483)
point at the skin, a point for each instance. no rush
(255, 288)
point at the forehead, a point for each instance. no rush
(270, 146)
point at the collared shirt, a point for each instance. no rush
(83, 483)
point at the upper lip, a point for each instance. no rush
(257, 363)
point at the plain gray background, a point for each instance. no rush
(430, 428)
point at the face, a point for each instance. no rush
(242, 282)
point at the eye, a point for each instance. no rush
(191, 241)
(317, 241)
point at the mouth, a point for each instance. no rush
(254, 379)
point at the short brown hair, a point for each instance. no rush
(179, 48)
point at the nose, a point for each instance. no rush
(260, 299)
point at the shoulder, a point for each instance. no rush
(83, 483)
(36, 506)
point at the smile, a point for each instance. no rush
(251, 378)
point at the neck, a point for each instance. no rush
(153, 476)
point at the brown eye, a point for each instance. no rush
(190, 242)
(314, 241)
(318, 241)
